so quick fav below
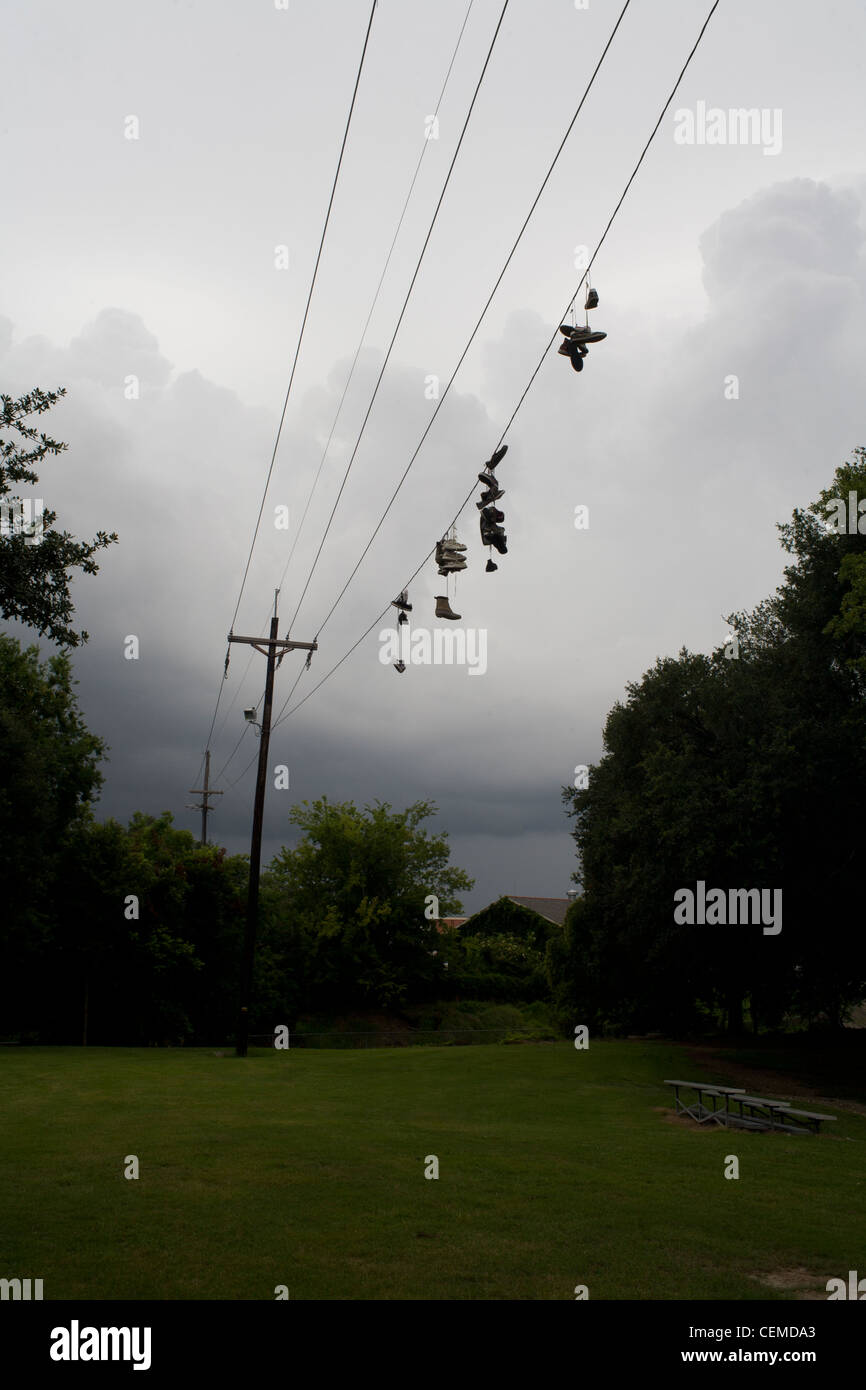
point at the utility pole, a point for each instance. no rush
(268, 646)
(204, 792)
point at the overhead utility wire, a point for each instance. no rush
(469, 496)
(363, 336)
(297, 353)
(441, 401)
(496, 285)
(355, 359)
(402, 313)
(474, 332)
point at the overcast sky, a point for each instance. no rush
(155, 258)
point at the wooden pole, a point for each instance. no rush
(269, 646)
(204, 792)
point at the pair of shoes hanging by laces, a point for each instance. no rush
(577, 337)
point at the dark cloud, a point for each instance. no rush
(684, 488)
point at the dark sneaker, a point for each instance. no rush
(492, 494)
(489, 531)
(492, 514)
(490, 567)
(591, 300)
(497, 457)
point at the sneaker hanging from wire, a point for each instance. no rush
(582, 334)
(491, 514)
(591, 299)
(400, 666)
(492, 494)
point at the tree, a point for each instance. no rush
(49, 776)
(35, 569)
(148, 932)
(346, 906)
(743, 772)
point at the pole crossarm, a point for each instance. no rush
(261, 643)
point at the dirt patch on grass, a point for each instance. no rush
(684, 1121)
(672, 1118)
(801, 1282)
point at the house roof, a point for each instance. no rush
(554, 909)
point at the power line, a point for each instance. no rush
(390, 345)
(462, 357)
(402, 312)
(295, 361)
(480, 319)
(375, 297)
(355, 359)
(282, 716)
(601, 242)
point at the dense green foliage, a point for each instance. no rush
(744, 771)
(344, 919)
(36, 569)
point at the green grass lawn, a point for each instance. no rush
(306, 1168)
